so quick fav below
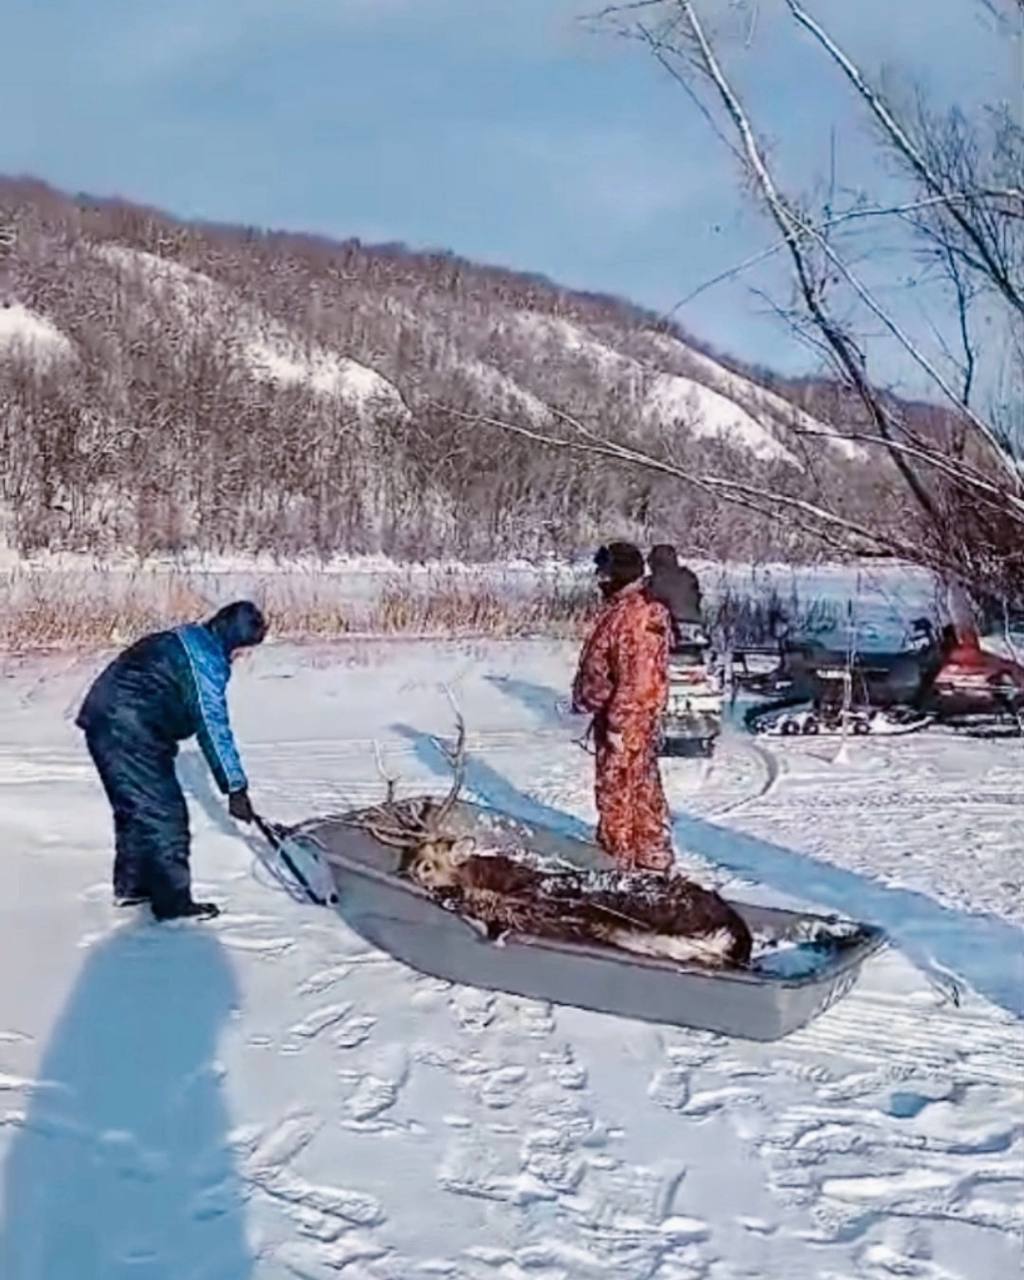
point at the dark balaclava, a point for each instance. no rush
(618, 566)
(238, 626)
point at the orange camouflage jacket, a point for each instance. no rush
(623, 673)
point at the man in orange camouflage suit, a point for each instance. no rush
(622, 682)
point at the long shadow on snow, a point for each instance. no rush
(539, 698)
(121, 1168)
(197, 782)
(492, 788)
(983, 950)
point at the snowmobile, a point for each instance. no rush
(693, 716)
(934, 678)
(975, 687)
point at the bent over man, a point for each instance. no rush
(622, 682)
(167, 687)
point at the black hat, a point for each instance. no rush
(620, 563)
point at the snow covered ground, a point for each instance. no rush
(265, 1097)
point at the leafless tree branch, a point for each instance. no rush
(962, 473)
(825, 524)
(904, 143)
(825, 225)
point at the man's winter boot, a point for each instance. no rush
(130, 899)
(188, 911)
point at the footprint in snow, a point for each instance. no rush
(633, 1199)
(301, 1197)
(670, 1088)
(927, 1156)
(429, 995)
(531, 1018)
(319, 1021)
(502, 1087)
(474, 1010)
(319, 1262)
(278, 1146)
(564, 1069)
(377, 1092)
(552, 1157)
(554, 1110)
(317, 983)
(354, 1032)
(489, 1169)
(736, 1102)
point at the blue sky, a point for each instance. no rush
(501, 129)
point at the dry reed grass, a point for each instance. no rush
(97, 610)
(100, 608)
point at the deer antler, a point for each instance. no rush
(395, 837)
(390, 780)
(387, 822)
(457, 759)
(410, 824)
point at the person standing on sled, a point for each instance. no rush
(165, 688)
(622, 682)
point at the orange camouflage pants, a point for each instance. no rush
(631, 805)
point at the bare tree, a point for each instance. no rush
(964, 216)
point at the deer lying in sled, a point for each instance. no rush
(644, 913)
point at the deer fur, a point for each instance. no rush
(647, 914)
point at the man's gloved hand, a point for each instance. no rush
(240, 807)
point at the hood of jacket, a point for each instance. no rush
(663, 557)
(238, 626)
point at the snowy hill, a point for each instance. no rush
(305, 383)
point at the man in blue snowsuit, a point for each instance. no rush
(165, 688)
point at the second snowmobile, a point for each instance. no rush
(935, 677)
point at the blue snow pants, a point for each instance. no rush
(151, 832)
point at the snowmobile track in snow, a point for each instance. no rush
(314, 758)
(902, 800)
(872, 1027)
(771, 768)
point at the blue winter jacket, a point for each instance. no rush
(172, 685)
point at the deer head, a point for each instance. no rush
(436, 865)
(431, 852)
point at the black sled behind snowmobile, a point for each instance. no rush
(830, 691)
(938, 678)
